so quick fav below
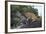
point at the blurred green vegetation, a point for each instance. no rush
(14, 21)
(23, 9)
